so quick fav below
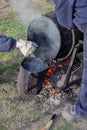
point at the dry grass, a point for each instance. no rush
(42, 5)
(4, 8)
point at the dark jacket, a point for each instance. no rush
(7, 44)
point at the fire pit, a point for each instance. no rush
(56, 74)
(52, 72)
(62, 75)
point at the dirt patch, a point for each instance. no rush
(5, 8)
(42, 5)
(25, 112)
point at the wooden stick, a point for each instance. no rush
(49, 124)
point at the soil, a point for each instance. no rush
(25, 112)
(5, 8)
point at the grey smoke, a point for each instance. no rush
(25, 12)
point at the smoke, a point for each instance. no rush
(25, 12)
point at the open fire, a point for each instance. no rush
(53, 79)
(55, 74)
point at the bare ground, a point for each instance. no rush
(5, 8)
(25, 112)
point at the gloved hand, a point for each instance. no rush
(26, 47)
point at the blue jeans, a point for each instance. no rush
(81, 103)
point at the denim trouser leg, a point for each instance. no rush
(81, 104)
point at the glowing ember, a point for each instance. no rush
(54, 78)
(55, 74)
(49, 72)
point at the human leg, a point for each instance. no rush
(81, 103)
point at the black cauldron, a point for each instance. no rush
(53, 40)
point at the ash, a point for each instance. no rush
(50, 98)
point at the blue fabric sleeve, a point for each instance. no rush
(80, 13)
(64, 12)
(7, 44)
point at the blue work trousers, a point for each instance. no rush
(69, 12)
(81, 103)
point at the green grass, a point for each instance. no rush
(3, 122)
(25, 121)
(49, 9)
(10, 26)
(64, 127)
(80, 55)
(11, 67)
(9, 107)
(4, 80)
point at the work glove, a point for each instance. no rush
(26, 47)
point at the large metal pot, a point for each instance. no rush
(53, 40)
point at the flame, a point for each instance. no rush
(51, 70)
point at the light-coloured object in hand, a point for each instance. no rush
(26, 47)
